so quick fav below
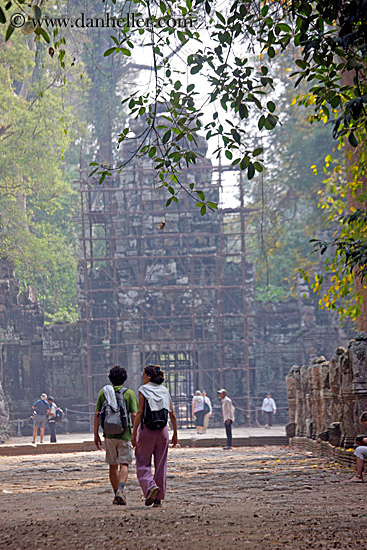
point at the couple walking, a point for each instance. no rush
(149, 434)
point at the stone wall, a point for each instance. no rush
(34, 357)
(327, 398)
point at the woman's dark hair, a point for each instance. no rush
(155, 372)
(117, 375)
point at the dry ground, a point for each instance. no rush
(258, 498)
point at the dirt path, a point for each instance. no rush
(258, 498)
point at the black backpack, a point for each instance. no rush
(114, 422)
(154, 420)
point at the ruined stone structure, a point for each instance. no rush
(165, 286)
(159, 285)
(327, 398)
(34, 357)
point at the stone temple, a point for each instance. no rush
(162, 285)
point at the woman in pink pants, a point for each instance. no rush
(155, 404)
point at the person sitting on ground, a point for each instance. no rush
(360, 452)
(118, 445)
(41, 409)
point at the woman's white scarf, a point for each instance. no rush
(157, 396)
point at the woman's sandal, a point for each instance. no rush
(354, 479)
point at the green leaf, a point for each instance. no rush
(243, 111)
(229, 155)
(2, 16)
(259, 167)
(45, 35)
(271, 106)
(109, 51)
(335, 101)
(196, 69)
(166, 136)
(152, 152)
(201, 195)
(300, 63)
(244, 162)
(271, 52)
(352, 139)
(250, 171)
(270, 122)
(257, 152)
(284, 27)
(220, 17)
(203, 210)
(37, 12)
(9, 32)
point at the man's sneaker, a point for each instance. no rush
(227, 448)
(157, 503)
(152, 493)
(120, 498)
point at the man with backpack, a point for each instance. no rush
(41, 409)
(115, 406)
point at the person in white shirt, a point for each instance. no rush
(207, 410)
(268, 408)
(52, 419)
(228, 416)
(198, 405)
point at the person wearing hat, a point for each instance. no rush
(52, 419)
(41, 409)
(228, 416)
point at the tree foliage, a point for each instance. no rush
(217, 42)
(37, 205)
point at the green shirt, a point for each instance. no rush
(131, 407)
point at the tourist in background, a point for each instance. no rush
(198, 403)
(207, 411)
(41, 409)
(52, 419)
(269, 409)
(228, 416)
(150, 435)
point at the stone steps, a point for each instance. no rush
(85, 446)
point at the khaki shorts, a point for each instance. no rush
(361, 452)
(40, 421)
(118, 451)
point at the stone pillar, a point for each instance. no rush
(134, 369)
(358, 358)
(291, 386)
